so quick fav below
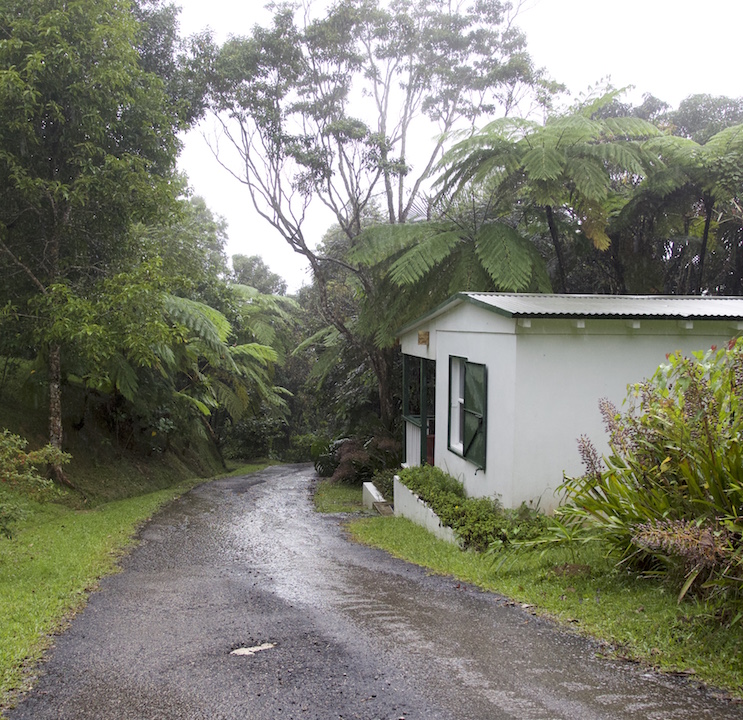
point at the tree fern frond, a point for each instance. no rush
(378, 243)
(672, 147)
(466, 273)
(567, 130)
(590, 178)
(664, 181)
(476, 158)
(729, 140)
(594, 228)
(326, 337)
(422, 257)
(631, 128)
(326, 361)
(540, 279)
(509, 128)
(543, 163)
(193, 402)
(123, 376)
(244, 292)
(229, 400)
(253, 351)
(502, 252)
(263, 331)
(167, 358)
(626, 157)
(209, 324)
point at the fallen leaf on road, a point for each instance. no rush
(253, 650)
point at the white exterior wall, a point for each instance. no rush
(493, 344)
(544, 384)
(562, 373)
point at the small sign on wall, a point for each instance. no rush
(423, 337)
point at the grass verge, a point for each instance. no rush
(638, 618)
(55, 559)
(337, 497)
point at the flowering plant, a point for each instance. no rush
(669, 495)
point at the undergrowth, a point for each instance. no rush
(479, 523)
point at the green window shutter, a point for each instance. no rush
(475, 413)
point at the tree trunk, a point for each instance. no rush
(709, 206)
(382, 363)
(558, 248)
(55, 409)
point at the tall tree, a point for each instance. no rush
(699, 117)
(253, 272)
(87, 146)
(287, 98)
(571, 170)
(689, 203)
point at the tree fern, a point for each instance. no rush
(123, 376)
(431, 249)
(630, 128)
(628, 157)
(378, 243)
(503, 253)
(208, 324)
(543, 163)
(588, 177)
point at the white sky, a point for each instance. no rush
(670, 48)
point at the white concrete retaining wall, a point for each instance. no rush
(410, 506)
(370, 495)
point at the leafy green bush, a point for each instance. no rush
(480, 523)
(669, 498)
(18, 470)
(300, 448)
(384, 481)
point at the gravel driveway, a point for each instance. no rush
(337, 630)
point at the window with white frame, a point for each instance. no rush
(467, 409)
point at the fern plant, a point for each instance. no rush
(573, 163)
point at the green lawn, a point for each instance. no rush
(337, 497)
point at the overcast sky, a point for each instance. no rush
(670, 48)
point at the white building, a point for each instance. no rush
(512, 381)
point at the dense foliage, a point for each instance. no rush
(479, 523)
(115, 283)
(118, 300)
(669, 497)
(356, 460)
(21, 471)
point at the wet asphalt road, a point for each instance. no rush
(244, 561)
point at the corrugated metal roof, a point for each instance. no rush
(609, 306)
(528, 305)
